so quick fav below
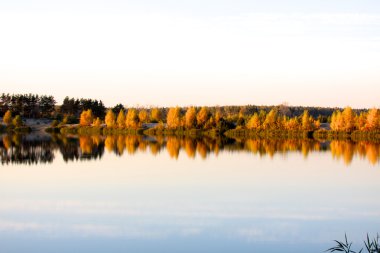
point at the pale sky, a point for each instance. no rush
(202, 52)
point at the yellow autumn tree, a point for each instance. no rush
(17, 121)
(218, 116)
(190, 118)
(110, 119)
(156, 115)
(337, 122)
(307, 121)
(203, 116)
(292, 124)
(121, 119)
(173, 119)
(132, 120)
(254, 122)
(7, 119)
(86, 118)
(361, 121)
(270, 120)
(97, 122)
(373, 119)
(349, 117)
(143, 116)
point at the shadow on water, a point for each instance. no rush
(28, 149)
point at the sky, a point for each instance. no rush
(199, 52)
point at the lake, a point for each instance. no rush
(154, 194)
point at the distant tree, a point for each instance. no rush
(174, 118)
(121, 119)
(47, 106)
(7, 119)
(132, 120)
(202, 117)
(118, 108)
(110, 119)
(156, 115)
(86, 118)
(17, 121)
(190, 118)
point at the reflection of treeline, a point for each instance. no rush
(16, 149)
(203, 147)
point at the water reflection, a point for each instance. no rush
(32, 150)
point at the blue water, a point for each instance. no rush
(226, 201)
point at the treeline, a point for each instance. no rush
(92, 112)
(74, 107)
(27, 105)
(43, 106)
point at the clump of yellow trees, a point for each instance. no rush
(274, 121)
(9, 121)
(348, 120)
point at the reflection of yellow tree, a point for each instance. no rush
(142, 145)
(343, 149)
(131, 143)
(96, 139)
(110, 143)
(202, 149)
(154, 147)
(120, 144)
(173, 146)
(85, 144)
(16, 139)
(372, 151)
(190, 147)
(7, 142)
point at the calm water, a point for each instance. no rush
(133, 194)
